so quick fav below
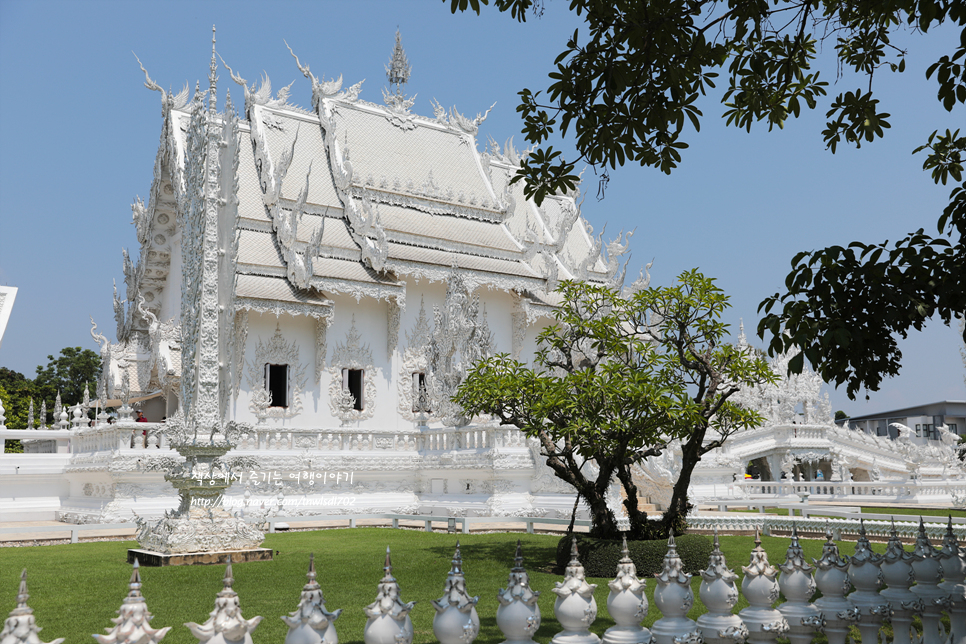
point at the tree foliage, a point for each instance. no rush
(629, 89)
(616, 380)
(68, 373)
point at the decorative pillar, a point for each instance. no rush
(389, 621)
(518, 614)
(456, 620)
(132, 624)
(719, 595)
(627, 604)
(953, 558)
(832, 579)
(760, 588)
(310, 623)
(929, 572)
(864, 575)
(897, 574)
(798, 586)
(21, 626)
(673, 597)
(575, 608)
(226, 623)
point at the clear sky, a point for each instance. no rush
(80, 134)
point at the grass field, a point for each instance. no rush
(76, 589)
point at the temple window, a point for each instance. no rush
(419, 387)
(352, 380)
(276, 382)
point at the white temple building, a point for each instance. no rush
(320, 280)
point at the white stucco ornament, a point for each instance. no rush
(131, 626)
(21, 626)
(897, 574)
(760, 588)
(225, 624)
(311, 623)
(627, 604)
(719, 595)
(456, 621)
(864, 575)
(832, 579)
(518, 615)
(927, 566)
(389, 621)
(953, 558)
(674, 598)
(575, 608)
(798, 586)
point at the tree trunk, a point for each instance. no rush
(640, 529)
(674, 519)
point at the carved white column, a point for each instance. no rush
(321, 332)
(241, 339)
(396, 305)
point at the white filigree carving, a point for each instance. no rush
(352, 355)
(321, 330)
(277, 351)
(415, 360)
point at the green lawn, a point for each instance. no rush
(76, 589)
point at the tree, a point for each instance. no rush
(616, 380)
(68, 373)
(18, 391)
(629, 88)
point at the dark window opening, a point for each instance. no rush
(276, 382)
(420, 393)
(353, 382)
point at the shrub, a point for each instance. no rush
(600, 556)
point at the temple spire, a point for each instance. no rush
(398, 69)
(213, 78)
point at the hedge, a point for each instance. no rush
(600, 556)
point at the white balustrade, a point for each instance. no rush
(518, 615)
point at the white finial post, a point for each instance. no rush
(720, 594)
(575, 608)
(21, 626)
(456, 621)
(311, 623)
(389, 621)
(518, 614)
(627, 604)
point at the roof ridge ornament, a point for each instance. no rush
(397, 73)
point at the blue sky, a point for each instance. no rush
(80, 134)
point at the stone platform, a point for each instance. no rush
(150, 558)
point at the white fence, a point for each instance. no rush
(925, 582)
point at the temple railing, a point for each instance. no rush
(151, 436)
(874, 490)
